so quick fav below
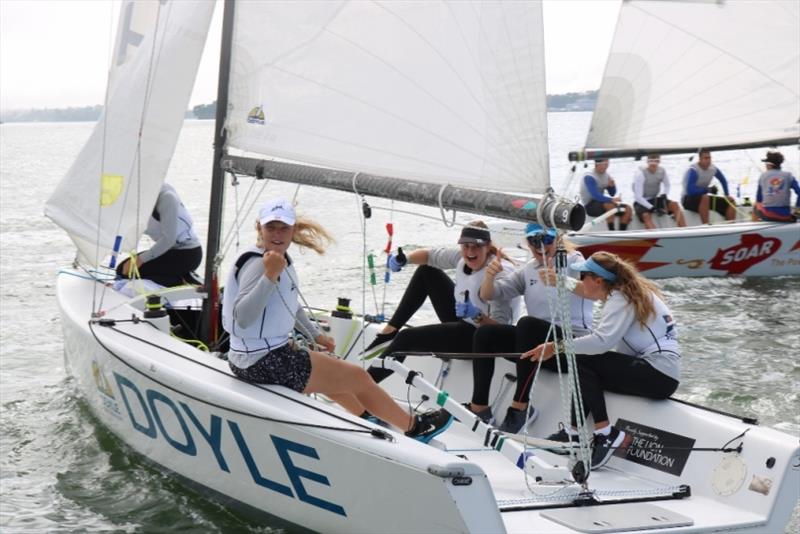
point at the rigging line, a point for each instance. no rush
(442, 209)
(715, 47)
(363, 221)
(361, 428)
(227, 242)
(104, 138)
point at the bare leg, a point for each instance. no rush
(647, 219)
(702, 209)
(678, 213)
(730, 213)
(349, 402)
(334, 377)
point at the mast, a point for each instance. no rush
(547, 210)
(208, 332)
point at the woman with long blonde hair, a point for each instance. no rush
(633, 350)
(261, 308)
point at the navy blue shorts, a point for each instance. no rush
(284, 366)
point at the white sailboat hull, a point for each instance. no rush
(745, 248)
(252, 447)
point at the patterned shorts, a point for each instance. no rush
(284, 366)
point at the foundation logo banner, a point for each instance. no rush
(656, 448)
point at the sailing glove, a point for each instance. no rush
(467, 310)
(395, 262)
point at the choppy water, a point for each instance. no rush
(62, 472)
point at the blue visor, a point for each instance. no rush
(592, 266)
(533, 229)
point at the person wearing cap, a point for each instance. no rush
(697, 188)
(774, 194)
(596, 202)
(633, 349)
(261, 309)
(648, 184)
(457, 303)
(534, 281)
(176, 250)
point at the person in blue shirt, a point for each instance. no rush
(774, 195)
(596, 202)
(698, 194)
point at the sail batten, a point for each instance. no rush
(432, 91)
(685, 75)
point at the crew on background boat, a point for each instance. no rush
(532, 281)
(261, 308)
(648, 183)
(698, 194)
(596, 202)
(774, 194)
(458, 304)
(633, 349)
(176, 251)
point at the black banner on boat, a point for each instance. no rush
(655, 448)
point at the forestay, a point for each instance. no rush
(691, 74)
(112, 186)
(449, 93)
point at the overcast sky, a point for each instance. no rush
(53, 53)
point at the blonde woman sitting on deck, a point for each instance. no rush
(261, 308)
(633, 350)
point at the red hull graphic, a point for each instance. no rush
(753, 249)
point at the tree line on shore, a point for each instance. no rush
(583, 101)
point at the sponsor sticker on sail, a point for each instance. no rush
(256, 116)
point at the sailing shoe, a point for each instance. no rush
(563, 436)
(604, 446)
(429, 425)
(381, 339)
(484, 415)
(517, 420)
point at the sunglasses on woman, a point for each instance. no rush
(542, 238)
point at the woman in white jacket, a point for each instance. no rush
(633, 350)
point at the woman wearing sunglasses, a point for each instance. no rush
(457, 303)
(633, 350)
(533, 281)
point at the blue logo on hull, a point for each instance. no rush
(145, 413)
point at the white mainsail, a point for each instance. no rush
(111, 188)
(689, 74)
(449, 93)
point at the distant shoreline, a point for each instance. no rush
(584, 101)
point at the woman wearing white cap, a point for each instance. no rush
(261, 308)
(633, 350)
(457, 303)
(534, 281)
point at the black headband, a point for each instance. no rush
(471, 234)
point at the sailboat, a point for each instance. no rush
(427, 103)
(688, 75)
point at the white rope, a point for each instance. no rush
(442, 209)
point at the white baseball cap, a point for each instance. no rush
(278, 209)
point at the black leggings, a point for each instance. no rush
(450, 336)
(427, 282)
(171, 268)
(616, 372)
(445, 337)
(528, 333)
